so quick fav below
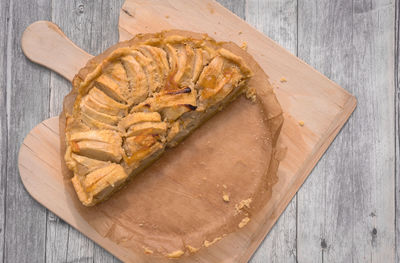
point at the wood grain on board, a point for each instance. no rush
(82, 21)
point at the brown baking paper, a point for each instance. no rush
(179, 200)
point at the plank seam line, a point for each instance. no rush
(48, 127)
(397, 122)
(8, 111)
(40, 158)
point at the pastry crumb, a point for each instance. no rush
(167, 16)
(140, 224)
(225, 197)
(192, 249)
(244, 222)
(208, 243)
(148, 251)
(224, 186)
(251, 94)
(240, 32)
(283, 80)
(301, 123)
(242, 204)
(175, 254)
(244, 46)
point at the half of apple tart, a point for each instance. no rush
(139, 98)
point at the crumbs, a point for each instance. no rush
(148, 251)
(244, 46)
(209, 243)
(301, 123)
(225, 197)
(251, 94)
(281, 80)
(192, 249)
(175, 254)
(244, 222)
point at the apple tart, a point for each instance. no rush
(139, 98)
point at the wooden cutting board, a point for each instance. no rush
(307, 97)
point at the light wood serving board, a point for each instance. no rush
(307, 96)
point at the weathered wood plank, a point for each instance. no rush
(278, 20)
(79, 248)
(4, 22)
(27, 102)
(346, 207)
(397, 128)
(56, 239)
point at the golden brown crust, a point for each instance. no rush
(85, 78)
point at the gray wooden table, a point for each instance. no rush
(349, 208)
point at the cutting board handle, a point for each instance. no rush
(44, 43)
